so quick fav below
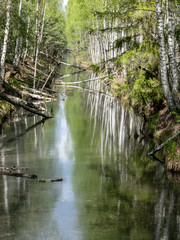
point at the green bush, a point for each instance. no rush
(146, 90)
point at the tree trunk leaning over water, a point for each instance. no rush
(21, 103)
(163, 62)
(4, 48)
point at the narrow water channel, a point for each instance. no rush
(111, 189)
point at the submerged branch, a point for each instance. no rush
(15, 174)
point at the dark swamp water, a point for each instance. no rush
(111, 189)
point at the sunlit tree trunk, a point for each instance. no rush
(162, 50)
(171, 48)
(4, 48)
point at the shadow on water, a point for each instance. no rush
(111, 188)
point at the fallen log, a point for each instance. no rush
(20, 93)
(83, 81)
(39, 71)
(91, 90)
(38, 92)
(68, 75)
(163, 144)
(15, 174)
(21, 103)
(14, 168)
(61, 62)
(57, 180)
(151, 73)
(10, 88)
(70, 65)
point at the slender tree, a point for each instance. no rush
(4, 47)
(172, 48)
(18, 47)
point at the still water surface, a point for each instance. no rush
(111, 189)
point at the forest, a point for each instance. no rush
(31, 38)
(137, 43)
(90, 119)
(134, 44)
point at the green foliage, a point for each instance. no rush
(124, 91)
(146, 90)
(153, 122)
(95, 68)
(53, 39)
(14, 82)
(170, 149)
(177, 116)
(54, 30)
(142, 86)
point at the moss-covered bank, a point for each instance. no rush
(5, 111)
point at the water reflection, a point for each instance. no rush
(111, 189)
(32, 210)
(120, 192)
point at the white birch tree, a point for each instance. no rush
(163, 56)
(18, 47)
(4, 47)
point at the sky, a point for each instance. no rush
(65, 2)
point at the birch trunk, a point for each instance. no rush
(39, 35)
(18, 39)
(36, 48)
(43, 21)
(171, 48)
(27, 31)
(4, 48)
(162, 49)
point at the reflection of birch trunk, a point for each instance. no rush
(168, 218)
(5, 183)
(4, 48)
(35, 134)
(159, 213)
(17, 154)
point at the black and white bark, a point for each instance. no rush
(171, 48)
(4, 48)
(18, 48)
(163, 59)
